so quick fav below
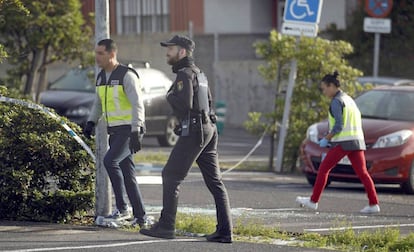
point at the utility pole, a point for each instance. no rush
(103, 191)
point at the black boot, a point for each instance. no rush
(217, 237)
(157, 230)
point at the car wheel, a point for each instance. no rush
(408, 187)
(169, 138)
(311, 179)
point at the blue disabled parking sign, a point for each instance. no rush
(305, 11)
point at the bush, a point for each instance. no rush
(45, 174)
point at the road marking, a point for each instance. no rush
(149, 180)
(100, 245)
(357, 227)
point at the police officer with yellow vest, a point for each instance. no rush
(346, 138)
(119, 101)
(190, 99)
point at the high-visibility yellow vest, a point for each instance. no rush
(115, 104)
(351, 116)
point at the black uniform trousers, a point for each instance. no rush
(186, 151)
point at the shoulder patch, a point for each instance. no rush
(180, 85)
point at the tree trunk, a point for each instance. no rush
(42, 83)
(31, 77)
(273, 133)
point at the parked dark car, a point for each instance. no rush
(72, 96)
(388, 124)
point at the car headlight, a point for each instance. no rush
(78, 112)
(393, 139)
(312, 133)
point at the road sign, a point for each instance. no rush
(306, 11)
(378, 8)
(299, 29)
(377, 25)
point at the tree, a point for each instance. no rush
(18, 9)
(315, 58)
(52, 30)
(397, 47)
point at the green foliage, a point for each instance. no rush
(376, 241)
(315, 58)
(3, 53)
(195, 223)
(251, 229)
(396, 48)
(43, 32)
(45, 174)
(17, 8)
(380, 240)
(313, 240)
(404, 244)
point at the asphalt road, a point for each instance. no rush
(260, 197)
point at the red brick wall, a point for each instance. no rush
(183, 11)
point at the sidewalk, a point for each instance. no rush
(34, 236)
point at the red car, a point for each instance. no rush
(388, 124)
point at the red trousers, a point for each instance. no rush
(357, 158)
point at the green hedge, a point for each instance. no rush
(45, 175)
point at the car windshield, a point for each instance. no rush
(387, 104)
(75, 80)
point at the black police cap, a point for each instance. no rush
(181, 41)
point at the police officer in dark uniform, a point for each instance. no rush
(190, 98)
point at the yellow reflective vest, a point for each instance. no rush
(115, 104)
(352, 122)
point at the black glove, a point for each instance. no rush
(213, 118)
(88, 130)
(135, 141)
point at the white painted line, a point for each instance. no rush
(100, 245)
(357, 227)
(149, 180)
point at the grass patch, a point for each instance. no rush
(196, 223)
(380, 240)
(160, 158)
(252, 229)
(151, 157)
(246, 166)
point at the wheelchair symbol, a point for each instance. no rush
(304, 9)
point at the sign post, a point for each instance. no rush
(377, 9)
(301, 18)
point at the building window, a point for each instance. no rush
(143, 16)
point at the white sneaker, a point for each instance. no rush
(370, 209)
(118, 215)
(147, 223)
(306, 202)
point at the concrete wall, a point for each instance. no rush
(243, 90)
(237, 16)
(334, 11)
